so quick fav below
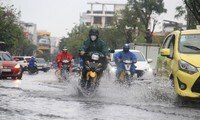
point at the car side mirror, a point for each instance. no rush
(165, 52)
(149, 60)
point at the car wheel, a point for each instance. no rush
(172, 81)
(181, 101)
(45, 70)
(20, 76)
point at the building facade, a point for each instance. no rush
(43, 42)
(101, 17)
(54, 45)
(30, 31)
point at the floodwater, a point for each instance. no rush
(43, 97)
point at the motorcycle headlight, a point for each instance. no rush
(187, 67)
(95, 57)
(65, 61)
(17, 66)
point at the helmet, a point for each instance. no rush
(94, 32)
(64, 48)
(126, 47)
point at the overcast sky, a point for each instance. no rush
(59, 16)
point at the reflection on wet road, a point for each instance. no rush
(42, 97)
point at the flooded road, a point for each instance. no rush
(43, 97)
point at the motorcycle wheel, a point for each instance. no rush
(128, 80)
(121, 77)
(65, 74)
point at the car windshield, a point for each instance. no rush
(139, 56)
(27, 59)
(5, 57)
(190, 44)
(40, 60)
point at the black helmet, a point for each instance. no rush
(94, 32)
(126, 47)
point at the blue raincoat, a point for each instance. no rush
(32, 62)
(124, 56)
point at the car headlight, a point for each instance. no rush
(17, 66)
(187, 67)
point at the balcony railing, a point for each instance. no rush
(100, 12)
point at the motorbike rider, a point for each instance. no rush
(93, 43)
(124, 55)
(64, 54)
(32, 63)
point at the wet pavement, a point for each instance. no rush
(43, 97)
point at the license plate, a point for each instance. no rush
(6, 70)
(39, 67)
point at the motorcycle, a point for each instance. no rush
(125, 76)
(65, 69)
(93, 65)
(32, 69)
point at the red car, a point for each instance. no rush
(9, 67)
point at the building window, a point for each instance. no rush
(88, 23)
(97, 20)
(108, 20)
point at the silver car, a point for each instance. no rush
(42, 65)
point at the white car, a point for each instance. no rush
(23, 61)
(143, 69)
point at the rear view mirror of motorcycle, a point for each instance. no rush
(112, 51)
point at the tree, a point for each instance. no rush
(191, 12)
(145, 8)
(136, 17)
(75, 38)
(23, 48)
(127, 26)
(12, 33)
(9, 30)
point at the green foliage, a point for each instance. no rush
(12, 33)
(143, 9)
(190, 10)
(45, 56)
(181, 11)
(136, 16)
(24, 48)
(75, 39)
(9, 30)
(134, 19)
(113, 37)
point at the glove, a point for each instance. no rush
(118, 60)
(82, 52)
(108, 58)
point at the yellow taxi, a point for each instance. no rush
(179, 60)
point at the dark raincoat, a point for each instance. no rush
(97, 46)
